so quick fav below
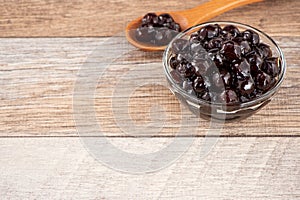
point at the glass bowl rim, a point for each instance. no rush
(261, 98)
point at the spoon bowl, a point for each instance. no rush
(134, 24)
(186, 19)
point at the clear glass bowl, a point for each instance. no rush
(221, 110)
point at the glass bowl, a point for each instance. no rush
(216, 109)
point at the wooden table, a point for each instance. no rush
(45, 45)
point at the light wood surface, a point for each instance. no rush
(57, 18)
(38, 78)
(237, 168)
(45, 44)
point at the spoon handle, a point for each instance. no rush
(212, 9)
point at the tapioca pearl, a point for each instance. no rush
(251, 37)
(264, 50)
(231, 51)
(271, 66)
(242, 67)
(165, 18)
(201, 68)
(180, 46)
(246, 86)
(150, 18)
(209, 32)
(216, 57)
(174, 62)
(263, 81)
(245, 47)
(199, 85)
(229, 96)
(215, 43)
(186, 69)
(233, 31)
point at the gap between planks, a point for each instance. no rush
(158, 136)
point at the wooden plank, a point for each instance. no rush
(236, 168)
(37, 78)
(32, 18)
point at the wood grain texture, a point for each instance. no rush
(236, 168)
(42, 18)
(38, 77)
(41, 154)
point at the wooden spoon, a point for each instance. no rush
(187, 18)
